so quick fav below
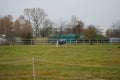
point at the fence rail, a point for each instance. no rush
(53, 41)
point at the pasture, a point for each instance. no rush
(74, 62)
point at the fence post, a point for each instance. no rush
(70, 41)
(31, 41)
(102, 74)
(97, 41)
(33, 65)
(76, 42)
(83, 41)
(111, 42)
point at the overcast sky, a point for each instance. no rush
(98, 12)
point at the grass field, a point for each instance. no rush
(84, 62)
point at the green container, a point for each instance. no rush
(69, 38)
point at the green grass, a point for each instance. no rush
(94, 62)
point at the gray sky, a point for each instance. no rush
(98, 12)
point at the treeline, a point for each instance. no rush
(19, 28)
(35, 23)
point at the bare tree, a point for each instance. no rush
(75, 26)
(90, 33)
(71, 24)
(78, 29)
(74, 20)
(35, 16)
(61, 27)
(115, 32)
(47, 28)
(116, 25)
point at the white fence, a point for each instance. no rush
(34, 76)
(45, 41)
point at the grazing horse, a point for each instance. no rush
(60, 42)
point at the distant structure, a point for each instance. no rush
(114, 40)
(2, 39)
(68, 37)
(114, 36)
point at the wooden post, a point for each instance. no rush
(33, 65)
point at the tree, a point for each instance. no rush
(6, 26)
(61, 28)
(47, 28)
(26, 33)
(23, 29)
(107, 34)
(69, 26)
(78, 29)
(17, 28)
(90, 33)
(73, 22)
(35, 16)
(115, 31)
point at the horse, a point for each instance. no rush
(61, 42)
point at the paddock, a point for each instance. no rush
(86, 62)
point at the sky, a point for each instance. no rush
(102, 13)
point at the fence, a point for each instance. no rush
(33, 66)
(53, 41)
